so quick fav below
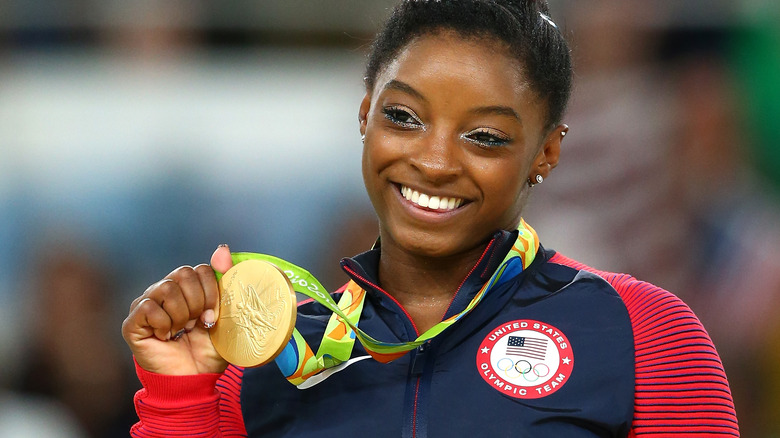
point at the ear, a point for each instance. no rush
(365, 107)
(549, 154)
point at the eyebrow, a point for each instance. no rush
(404, 88)
(498, 110)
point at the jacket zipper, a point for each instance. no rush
(417, 370)
(417, 366)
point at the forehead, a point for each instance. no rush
(474, 69)
(478, 56)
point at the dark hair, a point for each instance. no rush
(523, 25)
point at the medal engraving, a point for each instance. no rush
(257, 312)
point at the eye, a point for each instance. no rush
(487, 138)
(402, 117)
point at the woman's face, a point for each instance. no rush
(452, 133)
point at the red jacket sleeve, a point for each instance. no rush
(681, 387)
(185, 406)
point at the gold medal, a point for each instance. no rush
(257, 309)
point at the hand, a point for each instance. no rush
(166, 328)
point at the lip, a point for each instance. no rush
(426, 213)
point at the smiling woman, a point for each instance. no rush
(478, 145)
(475, 329)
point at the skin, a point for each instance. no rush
(448, 117)
(463, 123)
(186, 299)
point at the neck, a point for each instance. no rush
(423, 285)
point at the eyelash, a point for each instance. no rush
(396, 115)
(494, 140)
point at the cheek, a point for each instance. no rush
(507, 189)
(380, 154)
(365, 160)
(369, 174)
(369, 162)
(376, 157)
(506, 181)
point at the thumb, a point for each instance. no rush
(221, 260)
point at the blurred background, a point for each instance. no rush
(135, 136)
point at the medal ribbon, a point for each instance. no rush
(298, 361)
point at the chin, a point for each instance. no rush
(432, 251)
(429, 244)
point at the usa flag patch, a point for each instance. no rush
(525, 359)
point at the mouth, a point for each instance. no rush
(430, 202)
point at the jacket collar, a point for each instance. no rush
(364, 269)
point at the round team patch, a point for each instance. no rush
(525, 359)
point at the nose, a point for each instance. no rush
(437, 157)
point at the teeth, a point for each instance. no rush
(432, 202)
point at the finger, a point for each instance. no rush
(136, 302)
(146, 320)
(221, 260)
(159, 321)
(190, 283)
(144, 296)
(210, 294)
(170, 297)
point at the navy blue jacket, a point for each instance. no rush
(452, 386)
(557, 350)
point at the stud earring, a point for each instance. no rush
(537, 180)
(363, 138)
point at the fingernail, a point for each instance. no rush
(222, 245)
(178, 334)
(190, 324)
(209, 318)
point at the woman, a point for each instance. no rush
(461, 118)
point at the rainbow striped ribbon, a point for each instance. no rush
(298, 361)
